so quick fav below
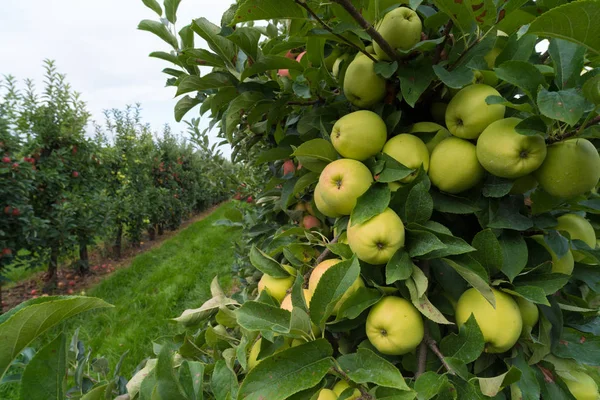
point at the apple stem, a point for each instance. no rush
(385, 46)
(328, 29)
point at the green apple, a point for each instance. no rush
(583, 387)
(342, 182)
(255, 351)
(394, 186)
(332, 57)
(359, 135)
(501, 326)
(401, 28)
(409, 151)
(394, 326)
(376, 240)
(362, 86)
(277, 287)
(327, 394)
(563, 265)
(335, 70)
(571, 168)
(529, 314)
(453, 166)
(428, 129)
(578, 228)
(490, 57)
(286, 303)
(339, 388)
(468, 114)
(524, 184)
(438, 112)
(486, 77)
(322, 206)
(503, 152)
(317, 273)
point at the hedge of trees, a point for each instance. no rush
(65, 187)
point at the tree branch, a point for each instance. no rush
(440, 47)
(326, 252)
(328, 29)
(432, 344)
(385, 46)
(574, 132)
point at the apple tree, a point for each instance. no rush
(447, 154)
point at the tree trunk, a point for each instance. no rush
(152, 232)
(1, 304)
(84, 261)
(52, 268)
(161, 229)
(118, 242)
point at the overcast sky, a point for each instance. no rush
(97, 45)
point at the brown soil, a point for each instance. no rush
(69, 282)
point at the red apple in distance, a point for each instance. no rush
(75, 174)
(6, 160)
(310, 222)
(288, 167)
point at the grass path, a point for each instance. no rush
(158, 285)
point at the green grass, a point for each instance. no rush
(160, 284)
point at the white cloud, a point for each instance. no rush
(97, 45)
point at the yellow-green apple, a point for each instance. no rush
(401, 28)
(571, 168)
(438, 112)
(468, 114)
(332, 57)
(327, 394)
(335, 71)
(394, 186)
(529, 314)
(583, 387)
(441, 133)
(504, 152)
(453, 166)
(501, 326)
(342, 182)
(339, 388)
(362, 86)
(317, 273)
(359, 135)
(277, 287)
(563, 265)
(491, 56)
(524, 184)
(286, 303)
(394, 326)
(255, 351)
(376, 240)
(485, 77)
(409, 151)
(578, 228)
(322, 206)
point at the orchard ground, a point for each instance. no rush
(153, 288)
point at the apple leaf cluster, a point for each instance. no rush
(448, 153)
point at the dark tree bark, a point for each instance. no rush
(152, 232)
(118, 242)
(84, 260)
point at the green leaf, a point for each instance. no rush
(532, 293)
(452, 245)
(568, 62)
(45, 375)
(385, 69)
(489, 251)
(220, 45)
(167, 384)
(501, 100)
(246, 38)
(341, 249)
(384, 393)
(266, 264)
(213, 80)
(224, 382)
(514, 253)
(23, 324)
(575, 22)
(153, 5)
(191, 375)
(582, 347)
(159, 30)
(358, 302)
(458, 12)
(589, 274)
(185, 104)
(202, 57)
(415, 78)
(165, 56)
(522, 75)
(393, 171)
(417, 286)
(97, 393)
(530, 387)
(419, 204)
(239, 105)
(288, 372)
(456, 79)
(171, 10)
(399, 268)
(315, 154)
(453, 204)
(532, 126)
(508, 216)
(591, 91)
(375, 200)
(255, 316)
(420, 243)
(429, 384)
(270, 63)
(550, 283)
(305, 181)
(517, 49)
(496, 187)
(252, 10)
(474, 274)
(492, 386)
(468, 345)
(332, 286)
(565, 105)
(365, 366)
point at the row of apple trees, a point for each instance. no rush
(64, 185)
(445, 154)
